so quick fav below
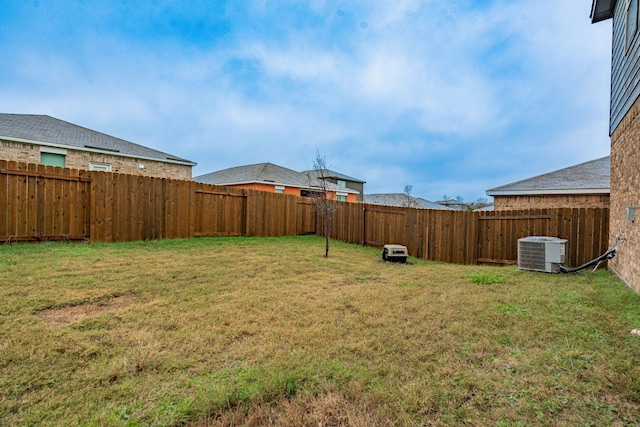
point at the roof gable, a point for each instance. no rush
(585, 178)
(46, 130)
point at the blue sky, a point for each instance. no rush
(451, 97)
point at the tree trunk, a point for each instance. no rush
(326, 238)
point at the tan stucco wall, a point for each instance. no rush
(625, 191)
(30, 153)
(551, 201)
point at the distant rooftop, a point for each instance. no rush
(585, 178)
(451, 202)
(400, 199)
(333, 174)
(46, 130)
(268, 173)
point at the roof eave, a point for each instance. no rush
(335, 175)
(601, 10)
(551, 192)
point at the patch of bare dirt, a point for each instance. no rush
(66, 315)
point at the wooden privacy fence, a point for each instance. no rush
(43, 203)
(128, 208)
(51, 203)
(46, 203)
(586, 231)
(474, 237)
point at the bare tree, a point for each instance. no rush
(409, 201)
(321, 201)
(481, 202)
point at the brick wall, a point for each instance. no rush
(29, 153)
(295, 191)
(551, 201)
(269, 188)
(625, 191)
(19, 152)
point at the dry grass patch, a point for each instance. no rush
(74, 313)
(332, 408)
(242, 331)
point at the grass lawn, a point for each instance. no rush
(244, 331)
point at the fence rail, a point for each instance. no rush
(49, 203)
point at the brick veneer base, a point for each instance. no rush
(625, 191)
(551, 201)
(30, 153)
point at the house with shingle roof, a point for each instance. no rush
(42, 139)
(585, 185)
(342, 180)
(455, 204)
(275, 179)
(402, 200)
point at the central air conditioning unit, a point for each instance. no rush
(541, 253)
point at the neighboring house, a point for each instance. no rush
(454, 204)
(624, 129)
(342, 180)
(274, 179)
(403, 200)
(49, 141)
(585, 185)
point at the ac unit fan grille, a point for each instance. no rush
(532, 256)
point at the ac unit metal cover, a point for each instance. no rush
(541, 253)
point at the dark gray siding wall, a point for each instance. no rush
(625, 69)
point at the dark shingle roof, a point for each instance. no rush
(585, 178)
(452, 202)
(336, 175)
(46, 130)
(400, 199)
(263, 173)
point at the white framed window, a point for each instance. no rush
(341, 197)
(280, 189)
(342, 183)
(98, 166)
(631, 22)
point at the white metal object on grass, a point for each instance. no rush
(395, 253)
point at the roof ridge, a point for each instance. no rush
(553, 172)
